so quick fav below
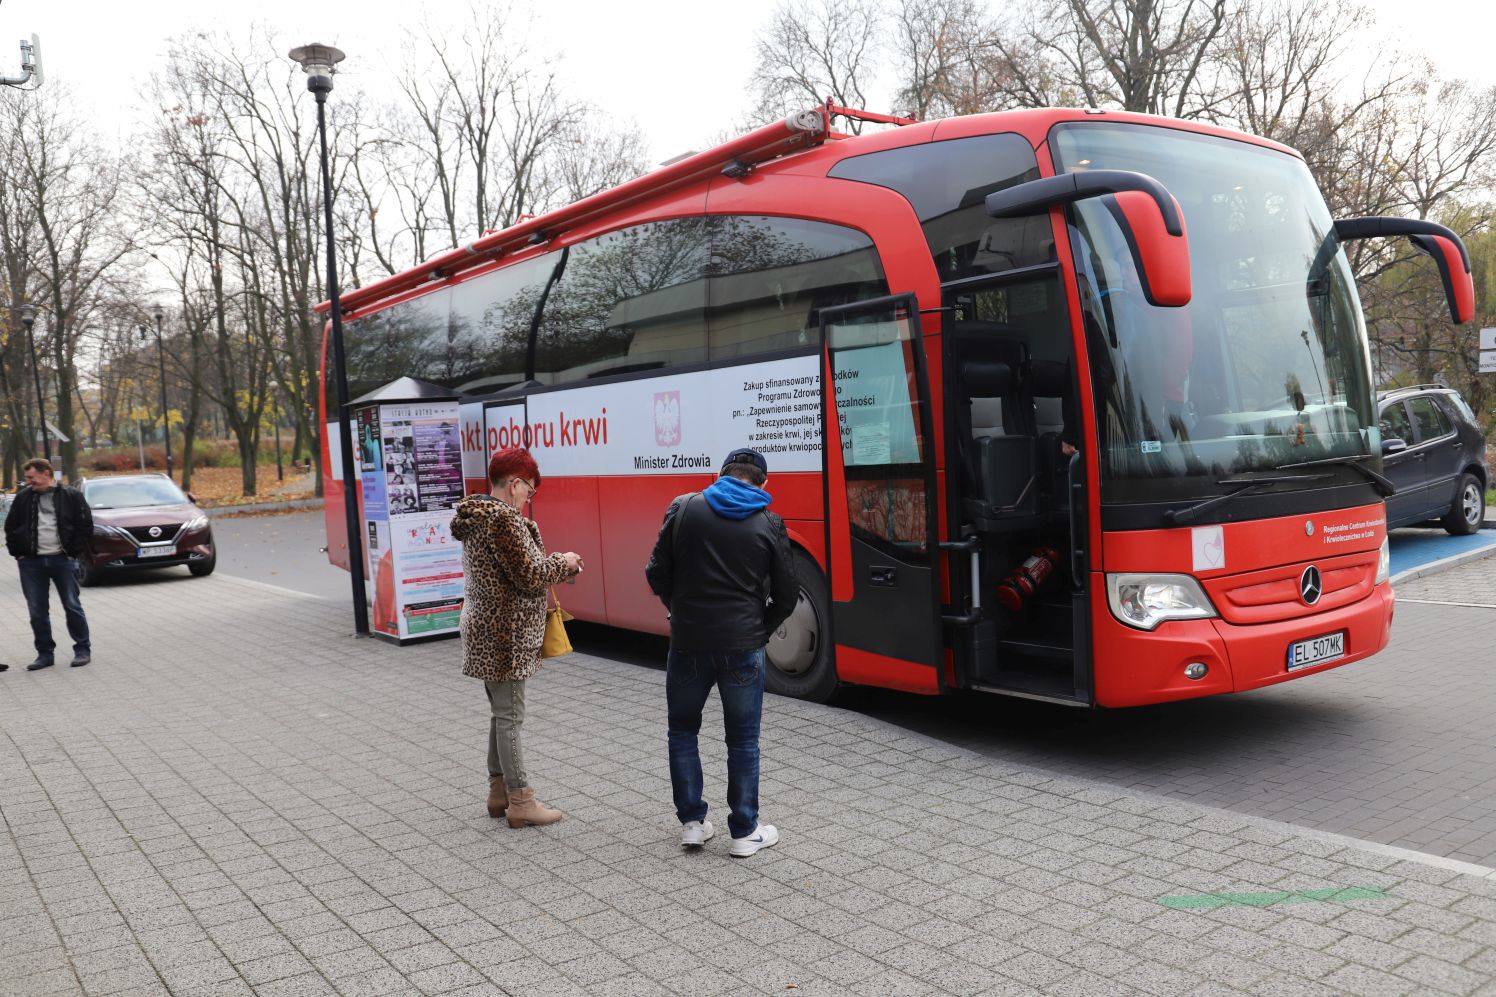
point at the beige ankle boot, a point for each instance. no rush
(498, 798)
(525, 810)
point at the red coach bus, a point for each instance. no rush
(918, 327)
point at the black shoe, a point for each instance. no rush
(4, 667)
(79, 660)
(39, 664)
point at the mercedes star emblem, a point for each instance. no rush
(1311, 585)
(1308, 527)
(155, 531)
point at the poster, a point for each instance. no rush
(400, 467)
(438, 463)
(428, 574)
(410, 465)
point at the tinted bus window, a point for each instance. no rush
(769, 277)
(627, 301)
(406, 340)
(491, 318)
(947, 184)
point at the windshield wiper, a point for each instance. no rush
(1382, 482)
(1179, 517)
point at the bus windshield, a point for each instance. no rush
(1267, 366)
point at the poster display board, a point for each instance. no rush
(410, 468)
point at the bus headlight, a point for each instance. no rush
(1146, 600)
(1384, 563)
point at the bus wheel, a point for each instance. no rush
(799, 652)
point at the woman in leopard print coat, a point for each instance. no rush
(507, 574)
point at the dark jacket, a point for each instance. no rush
(728, 583)
(74, 522)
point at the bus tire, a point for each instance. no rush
(799, 659)
(1469, 508)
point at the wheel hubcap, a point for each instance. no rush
(1473, 504)
(792, 648)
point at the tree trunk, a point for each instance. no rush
(247, 457)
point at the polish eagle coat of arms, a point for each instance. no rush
(667, 418)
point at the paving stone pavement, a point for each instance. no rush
(237, 798)
(1472, 584)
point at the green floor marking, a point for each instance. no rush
(1336, 894)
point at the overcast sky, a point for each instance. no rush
(676, 67)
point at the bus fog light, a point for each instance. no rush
(1195, 670)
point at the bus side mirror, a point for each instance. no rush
(1432, 238)
(1148, 215)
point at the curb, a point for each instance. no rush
(1443, 564)
(286, 506)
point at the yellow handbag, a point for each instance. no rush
(556, 642)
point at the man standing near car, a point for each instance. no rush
(723, 568)
(49, 527)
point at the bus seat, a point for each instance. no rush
(983, 384)
(987, 417)
(1006, 489)
(1050, 382)
(989, 386)
(1001, 474)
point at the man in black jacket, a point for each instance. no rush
(49, 527)
(723, 568)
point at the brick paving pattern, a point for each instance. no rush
(1472, 584)
(235, 798)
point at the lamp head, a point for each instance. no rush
(319, 62)
(158, 314)
(28, 315)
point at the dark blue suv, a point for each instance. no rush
(1435, 452)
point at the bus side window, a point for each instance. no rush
(769, 277)
(630, 300)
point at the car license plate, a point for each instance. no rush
(1316, 650)
(156, 551)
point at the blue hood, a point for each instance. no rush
(736, 499)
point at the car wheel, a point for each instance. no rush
(799, 652)
(1469, 508)
(90, 574)
(204, 566)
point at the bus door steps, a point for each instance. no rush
(1043, 650)
(1031, 680)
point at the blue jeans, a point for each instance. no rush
(739, 678)
(37, 575)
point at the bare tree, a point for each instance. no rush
(1138, 55)
(815, 49)
(72, 187)
(952, 59)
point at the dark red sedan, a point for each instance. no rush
(145, 521)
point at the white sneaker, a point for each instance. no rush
(695, 833)
(762, 837)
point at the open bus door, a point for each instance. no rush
(1016, 498)
(880, 495)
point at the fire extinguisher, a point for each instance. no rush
(1020, 584)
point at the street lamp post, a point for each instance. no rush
(28, 319)
(275, 415)
(318, 62)
(165, 412)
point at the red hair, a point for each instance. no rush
(513, 462)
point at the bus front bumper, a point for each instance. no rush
(1135, 667)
